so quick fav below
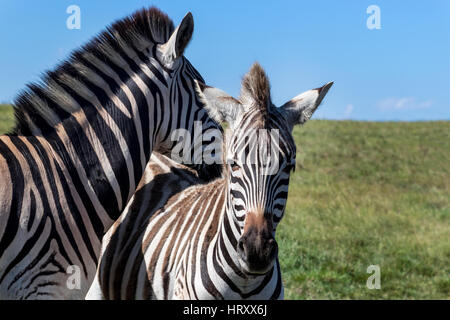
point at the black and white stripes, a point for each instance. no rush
(83, 138)
(214, 240)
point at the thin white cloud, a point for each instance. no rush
(348, 110)
(408, 103)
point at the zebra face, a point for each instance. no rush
(258, 175)
(260, 154)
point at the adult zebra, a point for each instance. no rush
(83, 138)
(216, 240)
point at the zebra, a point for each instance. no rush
(83, 137)
(213, 240)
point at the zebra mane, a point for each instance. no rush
(255, 91)
(43, 104)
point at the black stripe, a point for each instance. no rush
(76, 214)
(229, 261)
(106, 136)
(32, 210)
(146, 59)
(261, 286)
(219, 271)
(57, 198)
(46, 284)
(86, 154)
(113, 85)
(17, 185)
(29, 248)
(75, 180)
(277, 292)
(37, 178)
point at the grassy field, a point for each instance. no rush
(6, 118)
(364, 194)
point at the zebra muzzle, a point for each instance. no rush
(257, 251)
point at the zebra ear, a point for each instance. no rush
(220, 105)
(301, 108)
(178, 41)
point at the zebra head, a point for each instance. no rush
(260, 154)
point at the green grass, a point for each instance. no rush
(368, 193)
(365, 193)
(6, 118)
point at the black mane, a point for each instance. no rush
(34, 109)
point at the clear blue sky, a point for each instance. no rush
(400, 72)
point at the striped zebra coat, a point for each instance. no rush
(212, 240)
(83, 138)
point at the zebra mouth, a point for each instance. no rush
(253, 272)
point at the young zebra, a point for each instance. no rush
(83, 138)
(215, 240)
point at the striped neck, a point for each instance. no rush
(101, 110)
(242, 286)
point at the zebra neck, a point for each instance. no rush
(106, 152)
(98, 110)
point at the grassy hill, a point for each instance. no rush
(364, 194)
(369, 194)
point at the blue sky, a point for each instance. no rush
(399, 72)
